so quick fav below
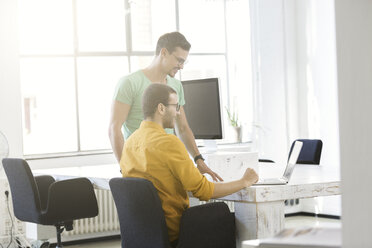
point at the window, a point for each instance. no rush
(203, 23)
(49, 97)
(100, 26)
(74, 52)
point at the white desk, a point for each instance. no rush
(259, 210)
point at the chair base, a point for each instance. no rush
(68, 226)
(40, 244)
(59, 229)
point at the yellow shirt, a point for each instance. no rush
(162, 158)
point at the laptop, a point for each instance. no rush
(288, 170)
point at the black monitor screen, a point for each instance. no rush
(202, 108)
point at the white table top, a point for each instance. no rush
(304, 236)
(306, 181)
(99, 175)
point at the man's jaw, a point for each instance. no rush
(169, 124)
(173, 72)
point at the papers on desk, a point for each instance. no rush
(231, 165)
(305, 237)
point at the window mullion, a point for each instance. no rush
(128, 28)
(76, 52)
(177, 15)
(226, 56)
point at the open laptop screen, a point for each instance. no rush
(292, 160)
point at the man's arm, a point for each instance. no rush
(119, 114)
(185, 134)
(223, 189)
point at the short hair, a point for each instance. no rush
(153, 95)
(172, 40)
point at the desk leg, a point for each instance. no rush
(258, 220)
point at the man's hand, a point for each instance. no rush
(250, 177)
(203, 168)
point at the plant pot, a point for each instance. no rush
(238, 134)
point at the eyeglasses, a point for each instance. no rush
(180, 61)
(178, 106)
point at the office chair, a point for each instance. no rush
(141, 217)
(44, 201)
(311, 151)
(208, 225)
(142, 221)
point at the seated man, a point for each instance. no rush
(162, 158)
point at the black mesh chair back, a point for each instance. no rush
(141, 217)
(26, 204)
(25, 195)
(310, 152)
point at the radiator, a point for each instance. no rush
(106, 223)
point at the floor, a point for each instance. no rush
(289, 223)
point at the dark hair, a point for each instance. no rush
(154, 94)
(172, 40)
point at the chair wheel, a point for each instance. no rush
(45, 245)
(40, 244)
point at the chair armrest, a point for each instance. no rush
(266, 161)
(43, 183)
(70, 200)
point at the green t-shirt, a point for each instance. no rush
(130, 89)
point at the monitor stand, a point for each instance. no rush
(210, 145)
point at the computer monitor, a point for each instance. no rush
(202, 108)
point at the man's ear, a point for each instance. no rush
(163, 52)
(161, 109)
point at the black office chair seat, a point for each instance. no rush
(44, 201)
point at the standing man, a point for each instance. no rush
(171, 54)
(161, 158)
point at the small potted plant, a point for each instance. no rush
(234, 122)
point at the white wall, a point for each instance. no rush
(354, 64)
(294, 54)
(10, 94)
(317, 88)
(268, 56)
(10, 98)
(316, 76)
(294, 57)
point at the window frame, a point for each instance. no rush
(105, 155)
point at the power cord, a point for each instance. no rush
(10, 239)
(11, 219)
(18, 243)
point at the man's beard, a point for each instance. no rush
(168, 121)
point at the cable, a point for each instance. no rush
(18, 242)
(11, 219)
